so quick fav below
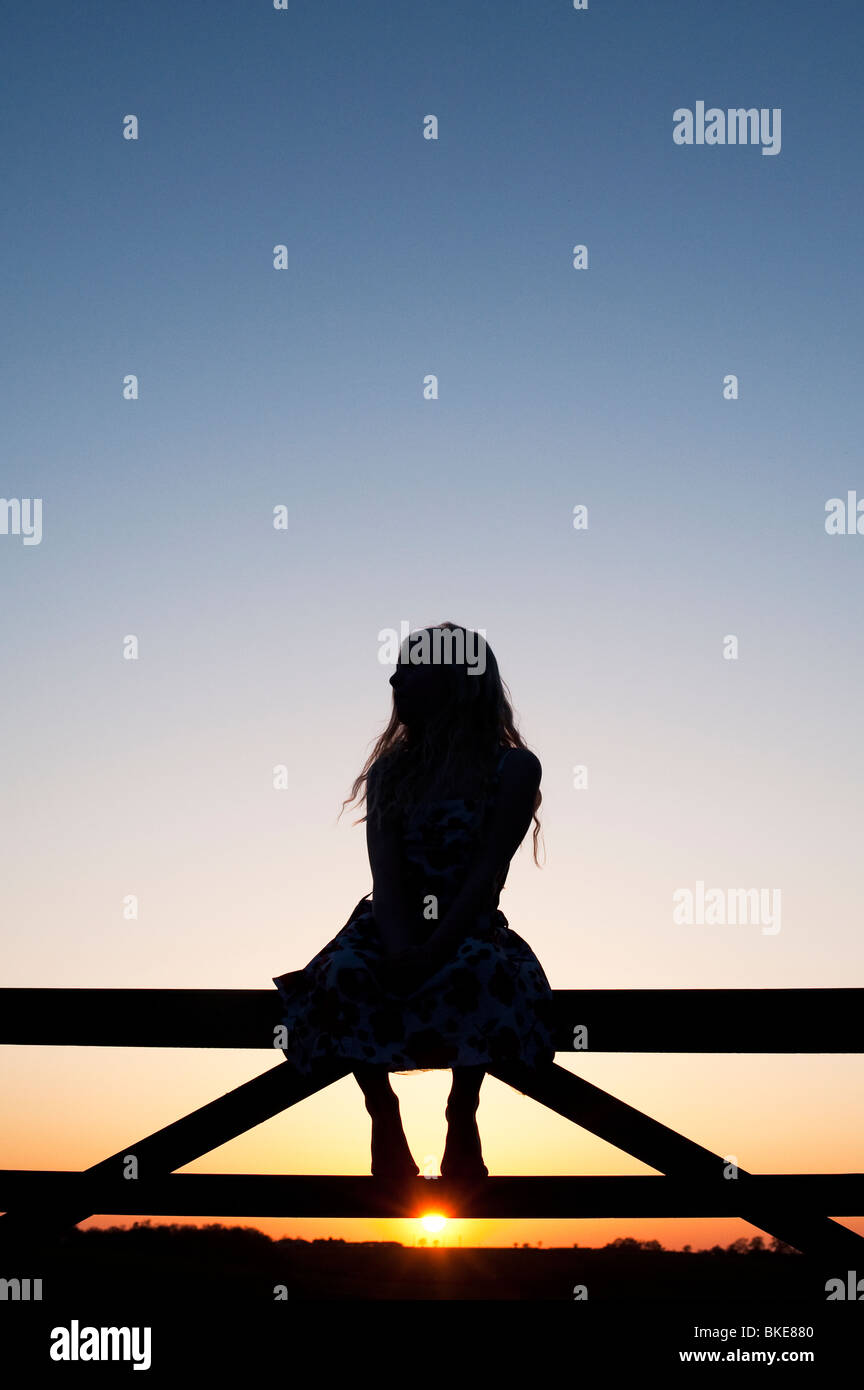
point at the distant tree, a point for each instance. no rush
(687, 1250)
(738, 1247)
(756, 1244)
(651, 1245)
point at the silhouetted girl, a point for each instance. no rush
(427, 973)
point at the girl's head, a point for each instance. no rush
(446, 680)
(451, 716)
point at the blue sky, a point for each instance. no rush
(303, 387)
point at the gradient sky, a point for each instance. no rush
(303, 387)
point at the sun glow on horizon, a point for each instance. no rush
(433, 1222)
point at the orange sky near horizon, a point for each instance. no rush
(774, 1114)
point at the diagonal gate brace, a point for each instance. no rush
(182, 1141)
(671, 1153)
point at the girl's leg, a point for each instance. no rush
(463, 1155)
(374, 1082)
(391, 1156)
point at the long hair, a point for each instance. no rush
(474, 720)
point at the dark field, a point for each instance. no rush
(152, 1265)
(231, 1300)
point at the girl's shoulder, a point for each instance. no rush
(383, 763)
(520, 764)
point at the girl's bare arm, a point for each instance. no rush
(509, 822)
(393, 913)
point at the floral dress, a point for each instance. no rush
(489, 1003)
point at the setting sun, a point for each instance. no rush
(433, 1222)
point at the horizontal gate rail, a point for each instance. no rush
(615, 1020)
(253, 1194)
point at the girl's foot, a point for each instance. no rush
(391, 1156)
(463, 1155)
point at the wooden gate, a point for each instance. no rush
(38, 1205)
